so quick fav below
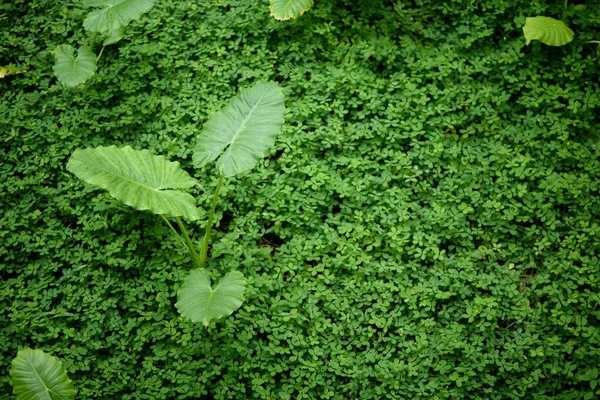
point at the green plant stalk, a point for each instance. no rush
(173, 229)
(100, 55)
(190, 245)
(204, 248)
(93, 40)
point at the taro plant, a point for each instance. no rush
(550, 31)
(36, 375)
(287, 9)
(237, 137)
(108, 23)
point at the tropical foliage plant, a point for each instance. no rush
(555, 32)
(288, 9)
(36, 375)
(237, 137)
(107, 21)
(549, 31)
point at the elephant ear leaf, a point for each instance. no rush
(547, 30)
(138, 178)
(36, 375)
(199, 302)
(73, 71)
(243, 131)
(114, 14)
(286, 9)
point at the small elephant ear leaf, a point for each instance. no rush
(36, 375)
(549, 31)
(286, 9)
(244, 130)
(137, 178)
(73, 71)
(199, 302)
(114, 14)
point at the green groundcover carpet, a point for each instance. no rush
(426, 225)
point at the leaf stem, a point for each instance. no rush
(93, 40)
(100, 55)
(204, 248)
(190, 244)
(173, 229)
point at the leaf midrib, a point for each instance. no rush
(243, 124)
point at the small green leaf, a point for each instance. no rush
(73, 71)
(244, 130)
(114, 36)
(547, 30)
(37, 375)
(114, 14)
(286, 9)
(137, 178)
(199, 302)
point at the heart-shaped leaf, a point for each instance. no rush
(199, 302)
(547, 30)
(137, 178)
(73, 71)
(114, 36)
(286, 9)
(36, 375)
(114, 14)
(245, 130)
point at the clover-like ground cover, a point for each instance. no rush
(427, 225)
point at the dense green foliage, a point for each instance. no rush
(426, 226)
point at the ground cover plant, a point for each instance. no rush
(425, 226)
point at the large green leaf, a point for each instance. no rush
(114, 14)
(199, 302)
(286, 9)
(137, 178)
(245, 129)
(547, 30)
(73, 71)
(37, 375)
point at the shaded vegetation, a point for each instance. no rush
(426, 226)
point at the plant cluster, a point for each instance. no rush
(239, 136)
(109, 23)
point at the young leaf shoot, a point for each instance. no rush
(73, 71)
(199, 302)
